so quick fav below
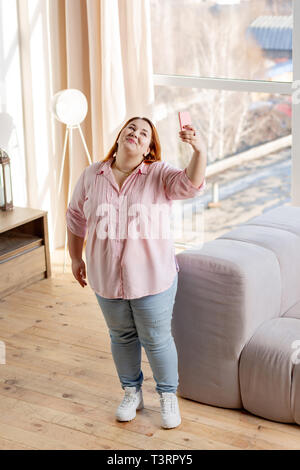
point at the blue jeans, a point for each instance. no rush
(146, 322)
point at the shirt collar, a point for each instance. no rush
(104, 167)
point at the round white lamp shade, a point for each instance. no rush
(69, 106)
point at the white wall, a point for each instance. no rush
(11, 111)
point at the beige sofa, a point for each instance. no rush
(236, 319)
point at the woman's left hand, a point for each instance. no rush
(192, 137)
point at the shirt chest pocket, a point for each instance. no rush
(87, 208)
(98, 198)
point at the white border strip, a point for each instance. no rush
(295, 176)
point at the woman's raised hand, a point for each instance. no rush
(192, 137)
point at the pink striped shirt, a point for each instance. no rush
(129, 251)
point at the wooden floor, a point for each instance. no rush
(59, 388)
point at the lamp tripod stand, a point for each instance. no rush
(69, 137)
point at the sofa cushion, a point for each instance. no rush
(286, 247)
(284, 217)
(269, 376)
(293, 312)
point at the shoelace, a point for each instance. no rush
(168, 404)
(128, 398)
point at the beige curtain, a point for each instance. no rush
(103, 48)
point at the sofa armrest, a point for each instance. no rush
(226, 289)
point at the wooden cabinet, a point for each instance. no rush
(24, 248)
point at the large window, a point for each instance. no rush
(230, 63)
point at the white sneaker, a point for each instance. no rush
(131, 402)
(169, 409)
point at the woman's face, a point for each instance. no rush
(136, 137)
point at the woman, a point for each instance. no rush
(124, 201)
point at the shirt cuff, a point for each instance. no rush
(202, 185)
(78, 233)
(75, 224)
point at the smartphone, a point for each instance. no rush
(184, 119)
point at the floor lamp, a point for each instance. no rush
(69, 107)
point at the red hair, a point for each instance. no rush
(155, 148)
